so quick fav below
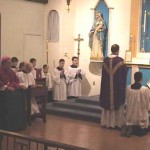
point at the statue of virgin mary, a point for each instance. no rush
(96, 37)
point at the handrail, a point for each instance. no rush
(45, 142)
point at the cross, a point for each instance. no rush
(68, 9)
(68, 3)
(78, 40)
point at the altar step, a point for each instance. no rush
(74, 105)
(94, 100)
(84, 108)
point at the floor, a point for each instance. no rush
(85, 134)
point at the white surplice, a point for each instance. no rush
(48, 80)
(59, 86)
(27, 80)
(112, 118)
(137, 101)
(74, 84)
(33, 72)
(14, 69)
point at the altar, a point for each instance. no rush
(137, 66)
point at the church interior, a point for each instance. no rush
(26, 31)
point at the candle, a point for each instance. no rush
(47, 51)
(144, 21)
(47, 45)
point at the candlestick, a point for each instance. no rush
(46, 44)
(144, 21)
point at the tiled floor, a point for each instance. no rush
(85, 134)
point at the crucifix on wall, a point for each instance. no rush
(78, 39)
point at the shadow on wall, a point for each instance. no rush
(85, 87)
(95, 68)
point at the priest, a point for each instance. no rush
(14, 97)
(112, 94)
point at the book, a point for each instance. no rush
(148, 83)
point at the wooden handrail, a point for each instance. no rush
(45, 142)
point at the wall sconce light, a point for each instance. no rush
(68, 3)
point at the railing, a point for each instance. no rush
(15, 141)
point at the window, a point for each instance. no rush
(145, 26)
(53, 26)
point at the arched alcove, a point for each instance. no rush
(53, 26)
(102, 7)
(104, 10)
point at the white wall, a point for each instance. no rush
(20, 17)
(66, 42)
(79, 21)
(119, 30)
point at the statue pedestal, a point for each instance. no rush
(95, 67)
(96, 61)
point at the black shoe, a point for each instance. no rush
(123, 130)
(126, 131)
(129, 131)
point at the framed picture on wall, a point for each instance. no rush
(128, 56)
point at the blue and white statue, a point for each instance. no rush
(96, 37)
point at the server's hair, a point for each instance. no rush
(138, 76)
(32, 60)
(14, 59)
(44, 66)
(74, 57)
(114, 48)
(22, 64)
(61, 60)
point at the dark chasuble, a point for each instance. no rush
(113, 83)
